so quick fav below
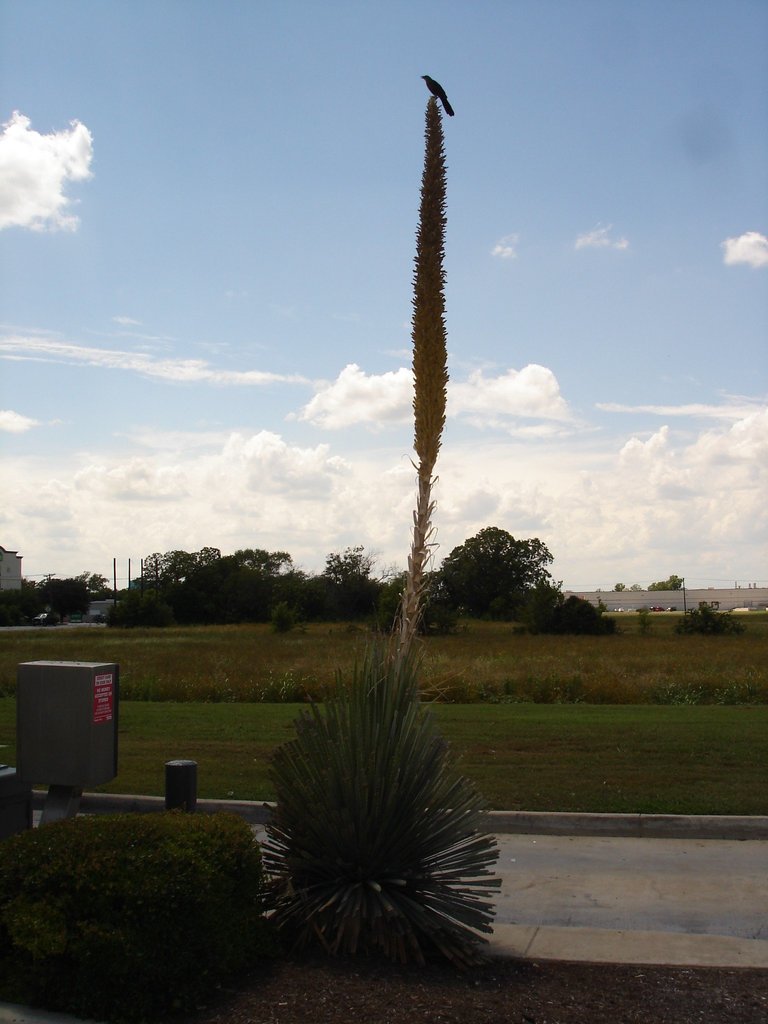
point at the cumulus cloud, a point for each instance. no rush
(186, 371)
(745, 441)
(506, 247)
(531, 393)
(483, 401)
(268, 463)
(751, 248)
(357, 397)
(650, 504)
(34, 171)
(14, 423)
(599, 238)
(244, 487)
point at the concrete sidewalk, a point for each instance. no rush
(699, 902)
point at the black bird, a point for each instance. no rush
(437, 90)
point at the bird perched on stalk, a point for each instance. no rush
(437, 90)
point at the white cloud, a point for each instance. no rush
(737, 409)
(599, 238)
(380, 399)
(251, 488)
(531, 393)
(637, 509)
(356, 397)
(126, 321)
(746, 440)
(506, 247)
(751, 248)
(34, 170)
(14, 423)
(187, 371)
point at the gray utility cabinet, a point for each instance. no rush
(66, 723)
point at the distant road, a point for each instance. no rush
(61, 625)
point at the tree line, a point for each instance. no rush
(491, 575)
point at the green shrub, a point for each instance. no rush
(705, 620)
(644, 621)
(283, 617)
(129, 917)
(376, 840)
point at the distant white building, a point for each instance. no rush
(724, 600)
(10, 569)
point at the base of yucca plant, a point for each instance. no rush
(376, 841)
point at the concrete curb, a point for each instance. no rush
(607, 946)
(636, 826)
(541, 823)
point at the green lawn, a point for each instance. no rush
(683, 759)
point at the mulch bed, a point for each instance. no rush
(313, 989)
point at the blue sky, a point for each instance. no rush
(207, 222)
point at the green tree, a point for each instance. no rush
(163, 570)
(20, 606)
(620, 587)
(66, 597)
(491, 573)
(673, 583)
(267, 563)
(99, 588)
(351, 591)
(242, 587)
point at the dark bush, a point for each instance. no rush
(547, 611)
(575, 615)
(130, 917)
(705, 620)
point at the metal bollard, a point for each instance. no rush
(181, 785)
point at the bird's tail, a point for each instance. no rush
(448, 108)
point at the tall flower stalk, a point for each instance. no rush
(430, 371)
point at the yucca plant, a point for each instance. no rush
(375, 841)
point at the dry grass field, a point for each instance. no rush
(482, 662)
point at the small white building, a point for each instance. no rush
(10, 569)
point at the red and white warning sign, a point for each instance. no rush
(103, 698)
